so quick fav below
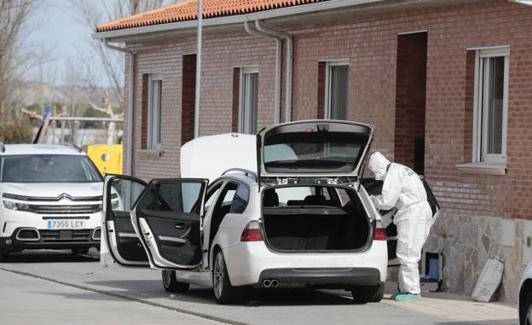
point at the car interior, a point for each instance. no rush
(327, 219)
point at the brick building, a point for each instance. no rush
(448, 85)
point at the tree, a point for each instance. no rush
(112, 61)
(13, 16)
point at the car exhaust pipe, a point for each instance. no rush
(275, 283)
(266, 283)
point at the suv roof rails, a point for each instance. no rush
(246, 172)
(2, 147)
(73, 146)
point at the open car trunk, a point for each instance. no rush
(315, 218)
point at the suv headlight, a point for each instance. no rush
(10, 205)
(15, 206)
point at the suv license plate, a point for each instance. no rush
(66, 224)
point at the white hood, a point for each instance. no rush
(53, 190)
(210, 156)
(378, 165)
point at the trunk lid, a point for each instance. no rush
(313, 149)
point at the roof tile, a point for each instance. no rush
(187, 10)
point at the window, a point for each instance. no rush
(336, 85)
(491, 105)
(154, 112)
(249, 89)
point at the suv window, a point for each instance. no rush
(48, 169)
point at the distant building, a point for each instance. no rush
(448, 85)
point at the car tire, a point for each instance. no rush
(4, 256)
(171, 284)
(365, 294)
(78, 251)
(525, 312)
(224, 292)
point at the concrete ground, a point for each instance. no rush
(57, 287)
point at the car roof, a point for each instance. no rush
(40, 149)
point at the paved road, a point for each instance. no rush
(62, 287)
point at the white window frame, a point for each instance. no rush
(154, 110)
(480, 120)
(327, 113)
(242, 123)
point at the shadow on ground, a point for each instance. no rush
(482, 322)
(150, 289)
(50, 256)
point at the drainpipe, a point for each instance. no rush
(259, 29)
(250, 29)
(289, 63)
(130, 108)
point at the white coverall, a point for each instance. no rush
(404, 190)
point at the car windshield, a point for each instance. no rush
(48, 169)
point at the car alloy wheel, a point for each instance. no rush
(171, 284)
(219, 274)
(167, 278)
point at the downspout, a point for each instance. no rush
(130, 103)
(250, 29)
(289, 63)
(259, 29)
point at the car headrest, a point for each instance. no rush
(270, 199)
(315, 200)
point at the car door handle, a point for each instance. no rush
(173, 239)
(180, 226)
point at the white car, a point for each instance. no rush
(525, 297)
(281, 209)
(51, 198)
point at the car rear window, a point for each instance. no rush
(313, 152)
(48, 169)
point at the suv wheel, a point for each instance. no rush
(224, 292)
(365, 294)
(171, 284)
(526, 311)
(4, 256)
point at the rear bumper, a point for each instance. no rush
(321, 277)
(249, 263)
(46, 239)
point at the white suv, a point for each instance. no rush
(51, 198)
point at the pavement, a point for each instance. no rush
(62, 288)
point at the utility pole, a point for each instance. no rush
(198, 70)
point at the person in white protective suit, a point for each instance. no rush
(404, 190)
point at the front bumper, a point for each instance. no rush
(32, 238)
(330, 278)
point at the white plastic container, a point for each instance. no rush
(489, 280)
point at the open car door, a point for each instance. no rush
(167, 219)
(123, 244)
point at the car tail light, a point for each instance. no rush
(380, 232)
(252, 232)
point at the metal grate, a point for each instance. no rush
(65, 209)
(67, 234)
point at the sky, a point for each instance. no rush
(60, 33)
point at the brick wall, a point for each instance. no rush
(370, 45)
